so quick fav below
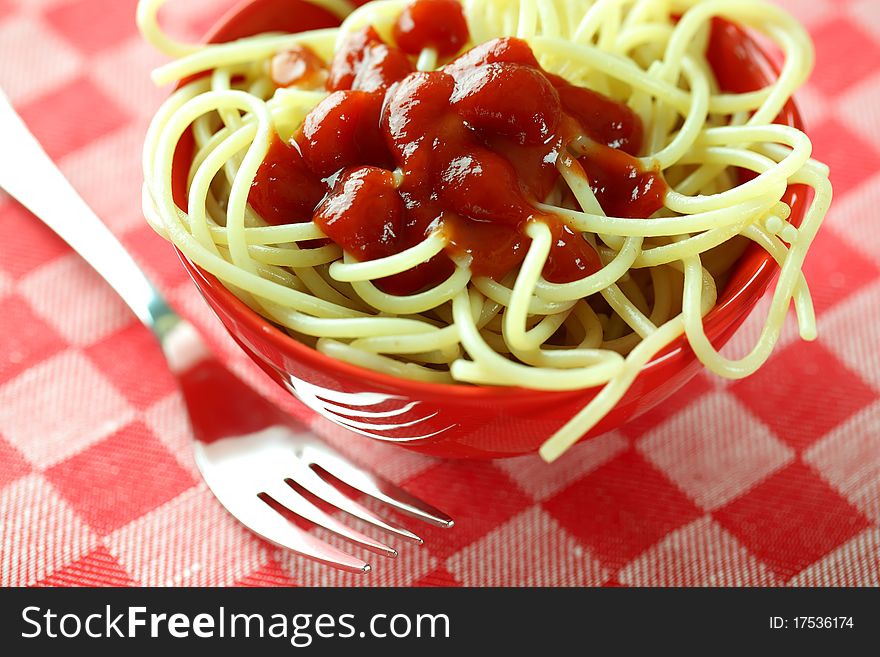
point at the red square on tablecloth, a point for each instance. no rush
(543, 480)
(270, 574)
(791, 520)
(60, 407)
(12, 463)
(852, 159)
(699, 554)
(81, 319)
(439, 577)
(94, 25)
(132, 361)
(34, 244)
(621, 509)
(813, 393)
(849, 460)
(157, 255)
(98, 568)
(478, 495)
(690, 393)
(530, 549)
(845, 54)
(120, 479)
(72, 116)
(835, 271)
(715, 450)
(48, 534)
(25, 339)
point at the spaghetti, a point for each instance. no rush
(617, 225)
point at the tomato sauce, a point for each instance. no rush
(732, 55)
(475, 146)
(732, 60)
(298, 66)
(438, 24)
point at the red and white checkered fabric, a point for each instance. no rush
(771, 481)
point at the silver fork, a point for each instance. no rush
(253, 456)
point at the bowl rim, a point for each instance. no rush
(735, 304)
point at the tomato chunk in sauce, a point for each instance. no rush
(394, 154)
(298, 66)
(438, 24)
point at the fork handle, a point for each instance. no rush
(30, 176)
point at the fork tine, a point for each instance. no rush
(312, 482)
(293, 501)
(263, 520)
(326, 463)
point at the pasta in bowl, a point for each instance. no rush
(482, 228)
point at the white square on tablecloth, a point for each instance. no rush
(123, 73)
(190, 541)
(813, 105)
(702, 553)
(849, 459)
(39, 6)
(39, 532)
(530, 549)
(715, 450)
(852, 332)
(5, 284)
(854, 217)
(169, 421)
(59, 408)
(808, 13)
(860, 108)
(543, 480)
(855, 563)
(108, 175)
(865, 12)
(27, 71)
(83, 318)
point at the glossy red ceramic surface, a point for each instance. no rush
(461, 421)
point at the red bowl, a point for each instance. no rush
(475, 422)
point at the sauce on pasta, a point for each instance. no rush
(475, 144)
(438, 24)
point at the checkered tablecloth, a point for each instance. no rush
(771, 481)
